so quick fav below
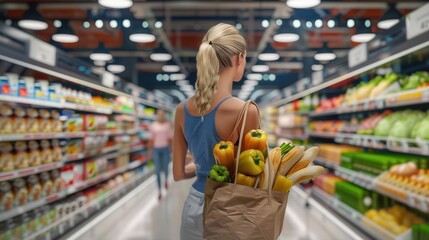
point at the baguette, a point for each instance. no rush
(306, 174)
(290, 159)
(307, 158)
(267, 176)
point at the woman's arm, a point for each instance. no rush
(180, 147)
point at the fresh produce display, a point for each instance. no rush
(327, 182)
(396, 219)
(406, 178)
(367, 125)
(288, 163)
(330, 103)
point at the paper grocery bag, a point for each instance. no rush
(233, 211)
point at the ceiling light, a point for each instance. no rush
(126, 23)
(286, 34)
(115, 68)
(86, 24)
(57, 23)
(65, 34)
(254, 76)
(325, 54)
(160, 54)
(182, 82)
(331, 23)
(158, 24)
(159, 77)
(350, 23)
(145, 24)
(8, 22)
(362, 34)
(165, 77)
(318, 23)
(390, 18)
(113, 24)
(260, 67)
(272, 77)
(265, 23)
(279, 22)
(101, 54)
(238, 26)
(142, 35)
(317, 67)
(269, 54)
(265, 77)
(99, 23)
(32, 19)
(250, 83)
(177, 76)
(116, 3)
(296, 23)
(367, 23)
(302, 3)
(309, 24)
(171, 66)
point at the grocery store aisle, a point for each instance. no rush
(144, 218)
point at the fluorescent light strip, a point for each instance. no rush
(350, 74)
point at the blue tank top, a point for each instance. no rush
(201, 135)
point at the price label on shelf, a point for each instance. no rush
(42, 52)
(417, 22)
(411, 201)
(380, 103)
(423, 204)
(358, 55)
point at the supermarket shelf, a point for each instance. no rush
(39, 136)
(358, 178)
(30, 101)
(401, 99)
(80, 156)
(86, 108)
(324, 163)
(291, 136)
(4, 176)
(409, 198)
(370, 227)
(30, 206)
(295, 126)
(329, 135)
(123, 112)
(133, 149)
(97, 203)
(148, 117)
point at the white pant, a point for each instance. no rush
(192, 216)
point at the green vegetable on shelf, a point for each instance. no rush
(383, 84)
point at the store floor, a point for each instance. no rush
(143, 217)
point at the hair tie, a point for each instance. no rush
(210, 42)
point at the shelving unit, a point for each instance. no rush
(5, 176)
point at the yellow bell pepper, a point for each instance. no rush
(256, 139)
(282, 184)
(245, 180)
(224, 154)
(251, 162)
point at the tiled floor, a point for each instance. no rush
(145, 218)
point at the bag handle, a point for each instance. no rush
(240, 142)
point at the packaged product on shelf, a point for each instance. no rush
(32, 224)
(57, 151)
(26, 87)
(4, 85)
(33, 121)
(73, 147)
(89, 123)
(20, 192)
(56, 180)
(78, 172)
(89, 145)
(19, 230)
(46, 152)
(34, 188)
(34, 155)
(45, 121)
(56, 123)
(55, 233)
(6, 121)
(6, 197)
(6, 157)
(25, 222)
(47, 185)
(74, 124)
(44, 217)
(41, 90)
(19, 121)
(21, 157)
(55, 92)
(90, 169)
(10, 84)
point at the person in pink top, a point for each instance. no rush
(159, 147)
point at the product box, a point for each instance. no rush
(74, 146)
(10, 84)
(78, 173)
(90, 169)
(55, 92)
(20, 192)
(6, 121)
(67, 175)
(34, 188)
(74, 124)
(41, 90)
(6, 197)
(89, 122)
(27, 87)
(4, 85)
(46, 183)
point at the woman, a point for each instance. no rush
(159, 147)
(209, 117)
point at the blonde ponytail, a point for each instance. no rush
(214, 56)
